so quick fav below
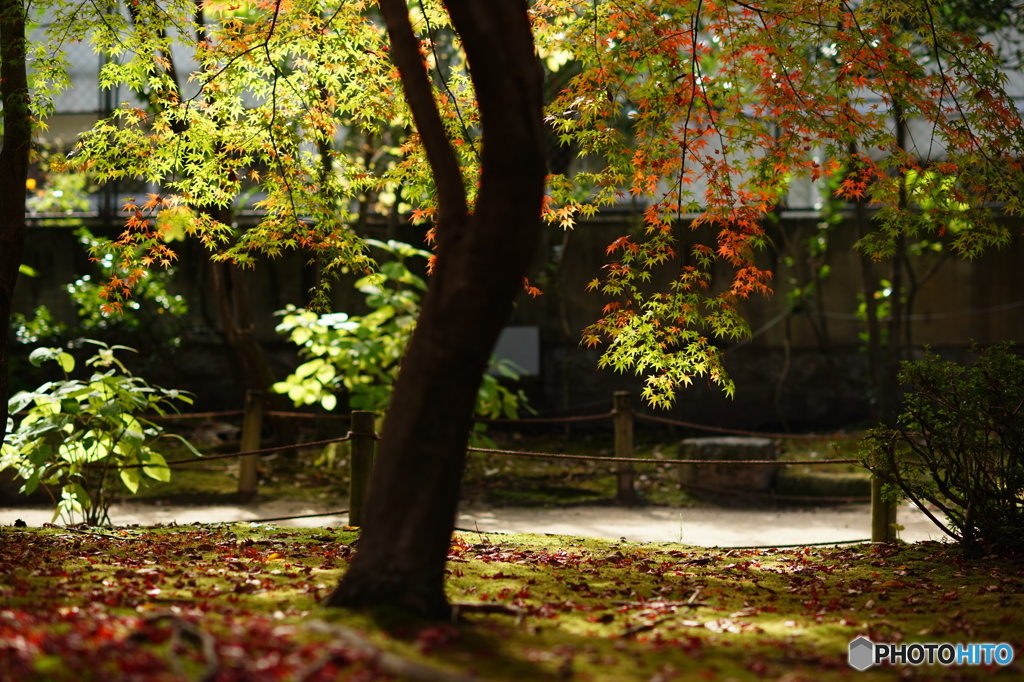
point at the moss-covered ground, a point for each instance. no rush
(242, 602)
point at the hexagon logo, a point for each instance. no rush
(862, 653)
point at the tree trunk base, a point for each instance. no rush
(405, 591)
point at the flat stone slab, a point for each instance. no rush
(732, 479)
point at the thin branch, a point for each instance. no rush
(419, 94)
(444, 83)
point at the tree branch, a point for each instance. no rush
(405, 50)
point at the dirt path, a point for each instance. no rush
(704, 526)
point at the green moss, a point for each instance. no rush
(591, 609)
(792, 481)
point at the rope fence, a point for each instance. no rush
(741, 432)
(307, 415)
(652, 460)
(549, 420)
(254, 453)
(530, 420)
(195, 415)
(363, 439)
(296, 517)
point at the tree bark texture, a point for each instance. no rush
(239, 331)
(14, 157)
(481, 261)
(238, 327)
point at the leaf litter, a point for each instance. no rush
(242, 602)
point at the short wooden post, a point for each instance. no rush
(883, 514)
(363, 444)
(623, 417)
(252, 424)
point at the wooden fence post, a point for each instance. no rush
(883, 514)
(623, 417)
(363, 444)
(252, 424)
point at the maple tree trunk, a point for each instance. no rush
(873, 330)
(889, 391)
(14, 157)
(886, 347)
(238, 327)
(481, 261)
(240, 334)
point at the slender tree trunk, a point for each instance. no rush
(238, 326)
(14, 156)
(879, 350)
(231, 299)
(240, 333)
(482, 258)
(888, 350)
(873, 330)
(889, 391)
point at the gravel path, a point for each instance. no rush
(702, 526)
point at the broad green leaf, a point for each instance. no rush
(31, 483)
(326, 374)
(301, 335)
(308, 369)
(301, 395)
(156, 466)
(66, 362)
(184, 441)
(20, 401)
(131, 477)
(72, 451)
(70, 406)
(41, 355)
(75, 491)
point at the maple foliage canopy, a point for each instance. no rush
(708, 111)
(703, 112)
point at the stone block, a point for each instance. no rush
(733, 479)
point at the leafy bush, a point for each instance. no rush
(152, 318)
(80, 435)
(959, 445)
(359, 355)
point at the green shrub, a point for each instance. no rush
(959, 445)
(83, 436)
(152, 319)
(358, 356)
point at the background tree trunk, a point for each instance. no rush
(481, 261)
(14, 157)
